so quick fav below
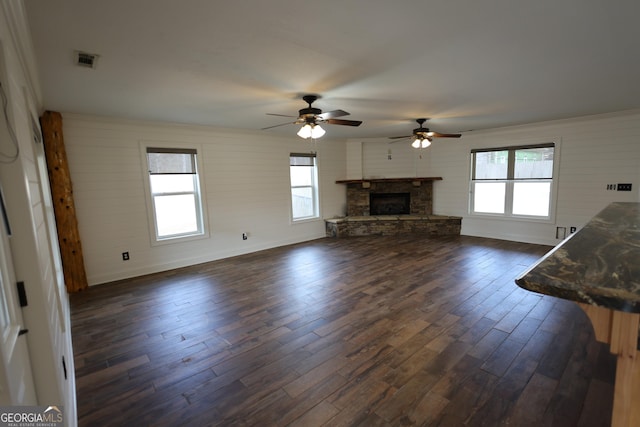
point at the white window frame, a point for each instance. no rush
(199, 193)
(510, 181)
(314, 188)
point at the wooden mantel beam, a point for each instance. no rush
(417, 179)
(75, 276)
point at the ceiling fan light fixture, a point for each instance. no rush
(310, 117)
(311, 130)
(305, 131)
(317, 131)
(420, 142)
(423, 137)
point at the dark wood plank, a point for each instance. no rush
(359, 331)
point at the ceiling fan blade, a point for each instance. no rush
(281, 124)
(344, 122)
(400, 137)
(332, 114)
(445, 135)
(279, 115)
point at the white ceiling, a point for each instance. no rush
(466, 64)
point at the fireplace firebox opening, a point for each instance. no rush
(389, 203)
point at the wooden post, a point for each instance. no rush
(75, 276)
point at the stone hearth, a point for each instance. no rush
(389, 225)
(360, 222)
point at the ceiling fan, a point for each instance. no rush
(422, 137)
(311, 118)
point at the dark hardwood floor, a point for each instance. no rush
(367, 331)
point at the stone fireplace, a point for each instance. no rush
(361, 192)
(391, 206)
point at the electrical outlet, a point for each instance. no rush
(125, 256)
(624, 187)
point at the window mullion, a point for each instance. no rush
(508, 209)
(511, 165)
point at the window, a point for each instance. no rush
(513, 181)
(175, 192)
(304, 186)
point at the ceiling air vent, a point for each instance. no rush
(88, 60)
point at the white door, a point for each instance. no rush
(16, 380)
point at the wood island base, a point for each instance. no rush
(620, 330)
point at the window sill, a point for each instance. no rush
(306, 220)
(519, 218)
(179, 239)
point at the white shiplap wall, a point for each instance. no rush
(394, 160)
(246, 186)
(594, 151)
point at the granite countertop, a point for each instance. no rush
(598, 265)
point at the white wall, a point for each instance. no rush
(246, 186)
(594, 151)
(34, 256)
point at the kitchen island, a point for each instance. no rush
(599, 268)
